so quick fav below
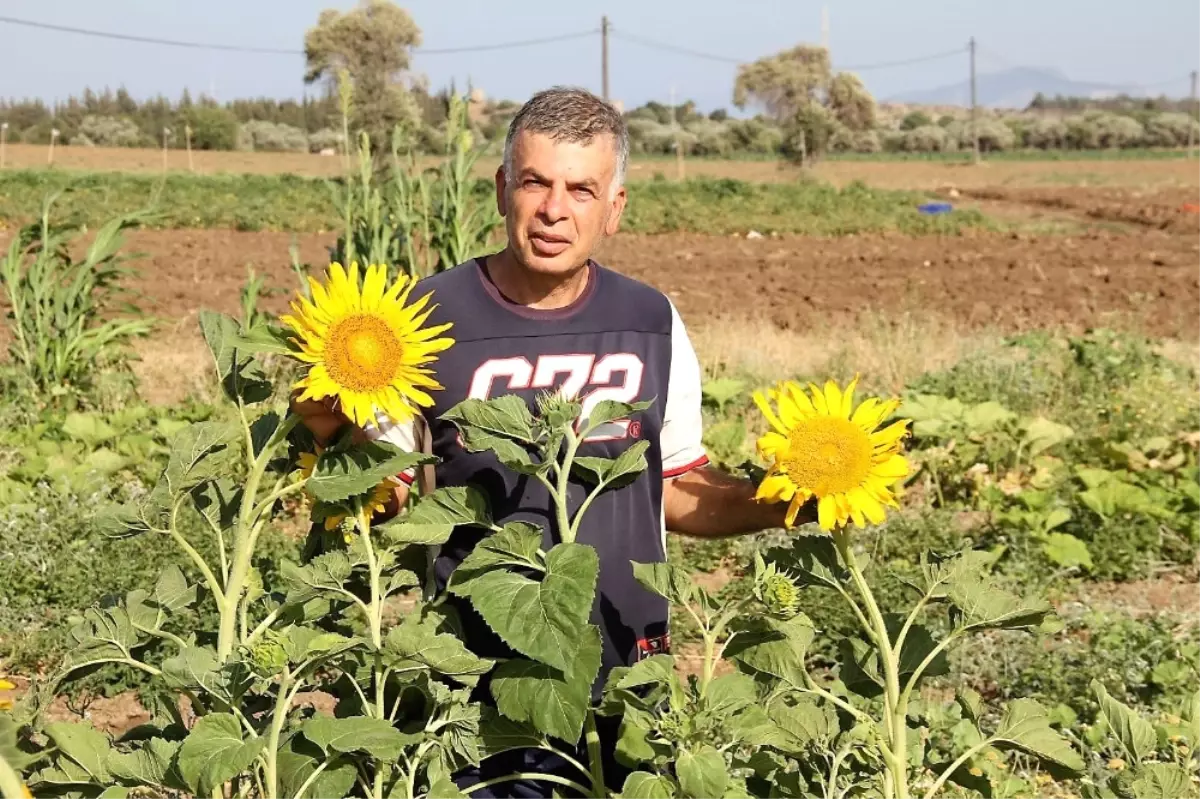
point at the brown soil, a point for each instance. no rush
(1175, 594)
(1008, 281)
(1172, 209)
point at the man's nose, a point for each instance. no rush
(554, 204)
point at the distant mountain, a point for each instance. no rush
(1010, 88)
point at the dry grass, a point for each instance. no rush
(1181, 351)
(887, 351)
(174, 365)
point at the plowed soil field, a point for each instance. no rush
(1010, 281)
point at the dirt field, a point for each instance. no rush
(997, 280)
(899, 175)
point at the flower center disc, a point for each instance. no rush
(362, 353)
(827, 455)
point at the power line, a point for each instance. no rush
(905, 62)
(234, 48)
(673, 48)
(657, 45)
(508, 45)
(148, 39)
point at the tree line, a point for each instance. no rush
(359, 62)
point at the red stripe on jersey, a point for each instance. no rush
(696, 464)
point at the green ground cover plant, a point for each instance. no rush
(295, 204)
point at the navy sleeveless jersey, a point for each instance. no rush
(617, 341)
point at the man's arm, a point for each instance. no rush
(708, 503)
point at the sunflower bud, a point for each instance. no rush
(268, 657)
(776, 590)
(348, 527)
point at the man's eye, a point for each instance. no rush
(585, 194)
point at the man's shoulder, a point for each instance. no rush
(629, 298)
(451, 278)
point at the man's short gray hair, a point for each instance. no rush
(570, 114)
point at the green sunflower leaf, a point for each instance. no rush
(215, 751)
(354, 471)
(541, 618)
(545, 697)
(434, 517)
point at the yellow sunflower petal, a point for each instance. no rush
(867, 505)
(775, 488)
(793, 510)
(848, 399)
(374, 285)
(789, 412)
(890, 434)
(866, 415)
(894, 468)
(771, 443)
(818, 400)
(855, 511)
(797, 395)
(827, 513)
(765, 407)
(833, 398)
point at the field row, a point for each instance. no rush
(296, 204)
(891, 170)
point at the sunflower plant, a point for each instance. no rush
(846, 459)
(227, 719)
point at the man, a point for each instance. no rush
(542, 315)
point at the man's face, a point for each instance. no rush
(560, 200)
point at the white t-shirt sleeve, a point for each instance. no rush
(404, 436)
(683, 425)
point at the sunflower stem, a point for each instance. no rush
(379, 675)
(710, 658)
(246, 536)
(895, 710)
(565, 530)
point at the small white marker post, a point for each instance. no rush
(166, 133)
(53, 138)
(187, 137)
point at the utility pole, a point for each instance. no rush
(604, 57)
(1195, 109)
(678, 138)
(974, 110)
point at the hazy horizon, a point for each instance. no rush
(1154, 43)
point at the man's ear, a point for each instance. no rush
(613, 223)
(501, 183)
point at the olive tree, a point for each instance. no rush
(371, 46)
(799, 89)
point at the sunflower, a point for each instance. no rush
(823, 447)
(375, 503)
(367, 346)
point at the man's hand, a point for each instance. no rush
(323, 419)
(709, 503)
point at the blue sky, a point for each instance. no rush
(1145, 42)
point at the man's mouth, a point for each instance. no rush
(548, 243)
